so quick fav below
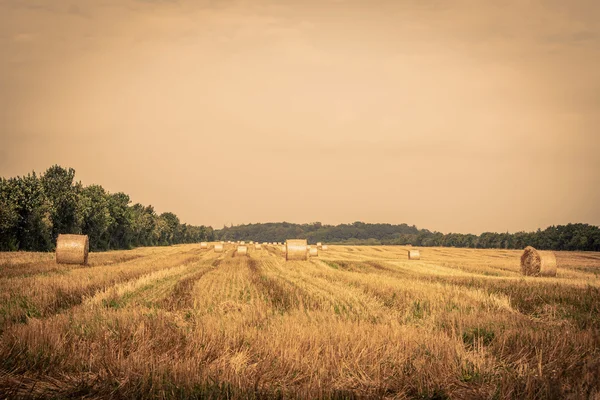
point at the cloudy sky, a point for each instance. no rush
(457, 115)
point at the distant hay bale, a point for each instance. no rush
(319, 245)
(414, 255)
(313, 252)
(72, 249)
(219, 248)
(203, 245)
(242, 250)
(242, 243)
(296, 249)
(324, 247)
(538, 263)
(258, 246)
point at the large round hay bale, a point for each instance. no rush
(296, 249)
(203, 245)
(219, 248)
(72, 249)
(414, 255)
(257, 246)
(242, 250)
(313, 252)
(538, 263)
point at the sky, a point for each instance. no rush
(456, 115)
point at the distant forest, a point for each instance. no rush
(35, 209)
(561, 237)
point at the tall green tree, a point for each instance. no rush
(62, 197)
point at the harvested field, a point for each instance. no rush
(358, 321)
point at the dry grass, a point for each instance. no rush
(72, 249)
(180, 322)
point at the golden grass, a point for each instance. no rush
(357, 321)
(72, 249)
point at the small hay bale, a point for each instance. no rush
(203, 245)
(258, 246)
(296, 249)
(313, 252)
(242, 250)
(538, 263)
(242, 243)
(319, 245)
(72, 249)
(414, 255)
(324, 247)
(219, 248)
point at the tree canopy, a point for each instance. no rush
(35, 209)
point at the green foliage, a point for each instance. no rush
(562, 237)
(34, 210)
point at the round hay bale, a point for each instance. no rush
(324, 247)
(313, 252)
(242, 250)
(242, 243)
(72, 249)
(203, 245)
(258, 246)
(219, 248)
(414, 255)
(538, 263)
(296, 249)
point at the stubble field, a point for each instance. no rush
(358, 321)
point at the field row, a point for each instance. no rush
(181, 321)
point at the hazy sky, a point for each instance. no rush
(454, 115)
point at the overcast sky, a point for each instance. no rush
(454, 115)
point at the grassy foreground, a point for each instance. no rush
(181, 322)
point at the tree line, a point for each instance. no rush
(562, 237)
(35, 209)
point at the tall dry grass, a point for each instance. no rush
(181, 322)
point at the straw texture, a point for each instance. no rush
(296, 249)
(538, 263)
(72, 249)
